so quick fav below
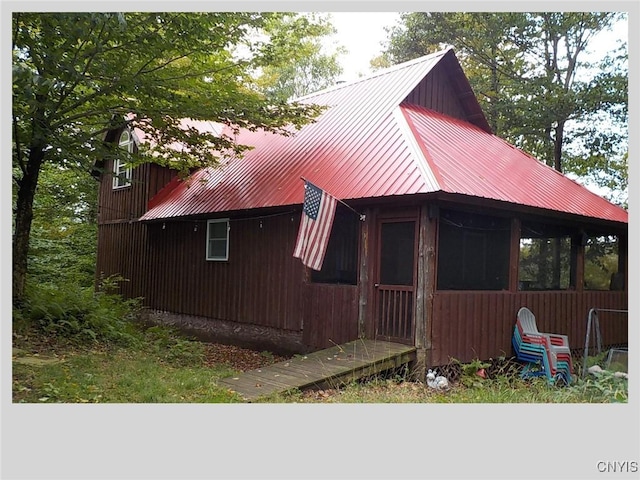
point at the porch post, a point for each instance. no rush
(576, 273)
(623, 258)
(364, 284)
(514, 255)
(424, 292)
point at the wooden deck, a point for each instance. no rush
(322, 369)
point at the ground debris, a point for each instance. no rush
(238, 358)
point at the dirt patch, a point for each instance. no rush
(25, 358)
(37, 361)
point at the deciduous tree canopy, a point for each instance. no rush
(77, 75)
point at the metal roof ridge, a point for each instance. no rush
(379, 73)
(429, 172)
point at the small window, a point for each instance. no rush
(218, 239)
(122, 172)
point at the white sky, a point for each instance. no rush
(362, 33)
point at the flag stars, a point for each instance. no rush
(312, 197)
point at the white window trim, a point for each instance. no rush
(210, 257)
(118, 165)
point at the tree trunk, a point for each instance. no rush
(23, 218)
(557, 147)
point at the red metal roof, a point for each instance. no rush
(469, 161)
(369, 144)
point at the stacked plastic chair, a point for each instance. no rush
(545, 353)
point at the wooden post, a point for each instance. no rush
(425, 289)
(623, 258)
(431, 266)
(365, 261)
(576, 273)
(420, 366)
(514, 255)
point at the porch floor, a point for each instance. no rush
(321, 369)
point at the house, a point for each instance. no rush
(455, 230)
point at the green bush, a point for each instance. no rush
(80, 314)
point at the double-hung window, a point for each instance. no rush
(121, 171)
(218, 239)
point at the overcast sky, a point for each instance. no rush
(361, 33)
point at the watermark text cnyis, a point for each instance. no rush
(626, 466)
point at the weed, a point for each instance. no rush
(169, 344)
(268, 355)
(603, 387)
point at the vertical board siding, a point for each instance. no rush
(260, 283)
(125, 203)
(479, 325)
(436, 93)
(330, 314)
(121, 252)
(129, 203)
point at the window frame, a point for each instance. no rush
(208, 256)
(119, 168)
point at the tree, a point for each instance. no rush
(530, 72)
(77, 75)
(309, 69)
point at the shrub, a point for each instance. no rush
(79, 314)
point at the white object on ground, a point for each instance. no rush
(437, 382)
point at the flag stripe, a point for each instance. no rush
(313, 235)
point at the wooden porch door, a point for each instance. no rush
(395, 284)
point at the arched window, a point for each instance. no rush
(122, 172)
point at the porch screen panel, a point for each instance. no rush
(473, 252)
(546, 257)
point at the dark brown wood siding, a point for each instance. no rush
(260, 284)
(435, 92)
(129, 203)
(330, 314)
(122, 251)
(479, 325)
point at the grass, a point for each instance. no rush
(163, 367)
(148, 373)
(504, 389)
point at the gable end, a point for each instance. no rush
(446, 90)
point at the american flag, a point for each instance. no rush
(315, 227)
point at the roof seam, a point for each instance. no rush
(429, 172)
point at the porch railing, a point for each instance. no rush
(395, 312)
